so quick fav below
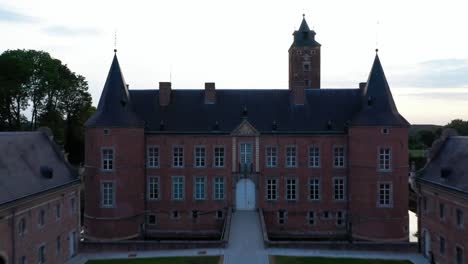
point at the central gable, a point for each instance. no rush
(245, 129)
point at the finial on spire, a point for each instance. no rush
(115, 41)
(376, 50)
(303, 15)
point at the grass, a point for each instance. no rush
(169, 260)
(321, 260)
(417, 153)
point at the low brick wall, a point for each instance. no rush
(407, 247)
(145, 245)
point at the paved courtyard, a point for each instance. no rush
(246, 247)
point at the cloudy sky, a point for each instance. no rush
(243, 44)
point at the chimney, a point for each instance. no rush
(164, 93)
(362, 85)
(210, 93)
(298, 94)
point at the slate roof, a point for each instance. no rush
(377, 105)
(452, 157)
(304, 36)
(187, 112)
(21, 157)
(115, 108)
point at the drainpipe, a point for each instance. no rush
(13, 236)
(145, 173)
(348, 213)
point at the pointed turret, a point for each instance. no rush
(304, 36)
(377, 106)
(115, 106)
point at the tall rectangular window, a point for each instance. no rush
(41, 254)
(385, 155)
(272, 189)
(178, 188)
(219, 188)
(339, 157)
(107, 194)
(291, 157)
(339, 189)
(459, 255)
(291, 189)
(282, 216)
(340, 218)
(153, 188)
(200, 188)
(219, 157)
(58, 245)
(107, 159)
(153, 157)
(385, 195)
(314, 189)
(178, 157)
(442, 246)
(442, 211)
(459, 218)
(311, 217)
(271, 157)
(314, 157)
(200, 157)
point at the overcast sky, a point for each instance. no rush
(243, 44)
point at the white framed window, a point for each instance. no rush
(385, 198)
(271, 189)
(459, 218)
(107, 194)
(219, 157)
(200, 156)
(41, 254)
(442, 211)
(41, 218)
(58, 211)
(291, 189)
(72, 205)
(153, 157)
(385, 158)
(219, 188)
(339, 193)
(151, 220)
(177, 156)
(340, 218)
(291, 157)
(200, 188)
(153, 188)
(178, 187)
(22, 226)
(107, 159)
(282, 217)
(339, 157)
(314, 157)
(311, 218)
(271, 156)
(314, 189)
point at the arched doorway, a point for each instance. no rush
(245, 194)
(427, 244)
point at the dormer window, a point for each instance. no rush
(106, 131)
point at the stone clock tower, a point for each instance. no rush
(304, 59)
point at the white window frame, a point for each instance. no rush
(41, 254)
(315, 189)
(177, 156)
(219, 153)
(385, 159)
(199, 187)
(178, 192)
(292, 191)
(58, 211)
(339, 189)
(218, 188)
(271, 189)
(108, 199)
(291, 156)
(385, 194)
(461, 223)
(41, 217)
(271, 156)
(314, 157)
(22, 226)
(199, 156)
(153, 156)
(339, 156)
(154, 188)
(107, 158)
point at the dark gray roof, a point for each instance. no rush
(304, 36)
(378, 107)
(115, 108)
(453, 158)
(187, 112)
(21, 157)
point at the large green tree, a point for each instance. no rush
(38, 90)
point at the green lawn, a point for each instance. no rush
(320, 260)
(171, 260)
(417, 153)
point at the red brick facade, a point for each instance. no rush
(23, 232)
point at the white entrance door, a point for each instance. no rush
(72, 245)
(427, 244)
(245, 195)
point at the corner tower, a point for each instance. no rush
(304, 59)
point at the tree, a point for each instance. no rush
(459, 125)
